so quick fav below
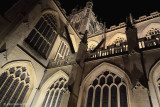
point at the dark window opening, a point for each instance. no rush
(42, 36)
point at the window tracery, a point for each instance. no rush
(151, 32)
(14, 85)
(63, 51)
(118, 40)
(41, 38)
(91, 47)
(107, 90)
(54, 93)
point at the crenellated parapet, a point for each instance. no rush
(144, 17)
(140, 19)
(114, 27)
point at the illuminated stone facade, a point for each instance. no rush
(48, 59)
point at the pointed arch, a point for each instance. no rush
(92, 44)
(51, 91)
(118, 37)
(20, 81)
(154, 88)
(101, 69)
(55, 14)
(105, 67)
(148, 28)
(44, 33)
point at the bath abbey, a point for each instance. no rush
(50, 59)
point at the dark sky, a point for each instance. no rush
(114, 12)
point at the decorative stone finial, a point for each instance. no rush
(129, 21)
(89, 4)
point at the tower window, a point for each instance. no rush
(42, 37)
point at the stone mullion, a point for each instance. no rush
(62, 48)
(45, 98)
(63, 51)
(41, 23)
(37, 39)
(60, 98)
(101, 97)
(47, 19)
(53, 36)
(109, 97)
(59, 49)
(48, 30)
(57, 98)
(118, 96)
(42, 37)
(20, 92)
(51, 22)
(4, 81)
(32, 35)
(53, 97)
(93, 97)
(66, 51)
(24, 93)
(14, 91)
(7, 89)
(40, 44)
(48, 97)
(46, 53)
(127, 95)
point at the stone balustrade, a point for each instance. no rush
(111, 50)
(149, 42)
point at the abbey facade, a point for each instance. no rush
(48, 59)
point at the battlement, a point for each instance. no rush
(140, 19)
(114, 27)
(144, 17)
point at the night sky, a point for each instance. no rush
(114, 12)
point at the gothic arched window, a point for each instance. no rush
(118, 40)
(107, 90)
(42, 37)
(92, 45)
(14, 85)
(151, 32)
(54, 93)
